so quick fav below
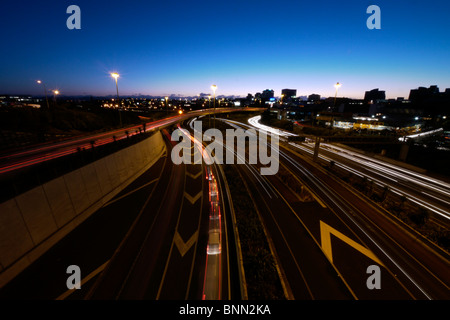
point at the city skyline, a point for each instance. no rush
(182, 48)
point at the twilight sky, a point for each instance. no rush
(244, 46)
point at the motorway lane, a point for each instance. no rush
(220, 274)
(432, 193)
(89, 246)
(304, 269)
(349, 259)
(422, 272)
(187, 237)
(306, 272)
(164, 255)
(94, 244)
(351, 264)
(140, 255)
(423, 190)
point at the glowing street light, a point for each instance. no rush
(55, 93)
(337, 86)
(115, 75)
(214, 88)
(167, 105)
(45, 92)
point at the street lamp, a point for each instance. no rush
(214, 88)
(45, 92)
(167, 105)
(55, 93)
(337, 86)
(115, 75)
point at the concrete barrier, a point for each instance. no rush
(34, 221)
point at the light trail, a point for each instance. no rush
(267, 187)
(403, 173)
(343, 207)
(213, 267)
(393, 188)
(40, 153)
(255, 122)
(384, 169)
(418, 135)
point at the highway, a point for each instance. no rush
(155, 240)
(90, 246)
(170, 252)
(429, 192)
(168, 235)
(410, 269)
(426, 191)
(36, 154)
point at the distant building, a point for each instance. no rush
(374, 95)
(314, 97)
(422, 93)
(289, 93)
(267, 94)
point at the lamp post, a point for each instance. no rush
(115, 75)
(55, 93)
(214, 88)
(167, 105)
(337, 86)
(45, 92)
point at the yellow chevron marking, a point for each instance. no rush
(325, 238)
(182, 246)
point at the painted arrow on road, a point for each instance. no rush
(182, 246)
(325, 237)
(191, 199)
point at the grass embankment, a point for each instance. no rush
(263, 282)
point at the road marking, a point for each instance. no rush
(191, 199)
(325, 238)
(89, 277)
(323, 205)
(182, 246)
(131, 192)
(194, 176)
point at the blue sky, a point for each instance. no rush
(246, 46)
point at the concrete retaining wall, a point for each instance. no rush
(34, 221)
